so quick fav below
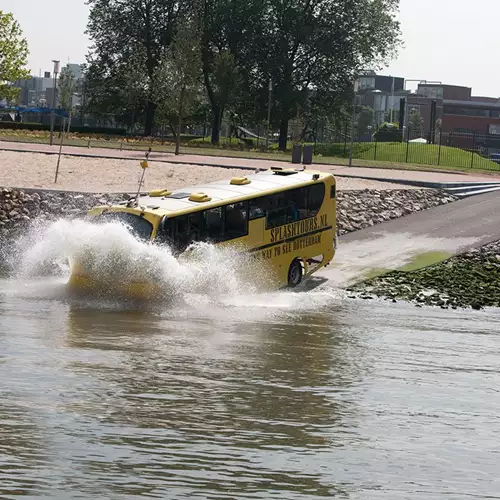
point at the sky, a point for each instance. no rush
(450, 41)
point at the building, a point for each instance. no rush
(76, 69)
(381, 93)
(33, 90)
(457, 109)
(38, 91)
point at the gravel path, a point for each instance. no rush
(35, 170)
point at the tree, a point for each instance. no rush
(178, 77)
(365, 120)
(13, 56)
(228, 58)
(67, 87)
(136, 32)
(320, 46)
(415, 121)
(221, 79)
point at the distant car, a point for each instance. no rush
(495, 157)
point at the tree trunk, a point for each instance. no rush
(178, 136)
(216, 124)
(283, 132)
(150, 118)
(180, 111)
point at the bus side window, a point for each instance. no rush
(257, 208)
(333, 191)
(165, 233)
(296, 204)
(212, 224)
(236, 220)
(277, 210)
(194, 226)
(181, 233)
(315, 196)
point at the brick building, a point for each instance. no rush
(457, 108)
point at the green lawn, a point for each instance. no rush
(423, 154)
(382, 155)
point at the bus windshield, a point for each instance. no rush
(138, 226)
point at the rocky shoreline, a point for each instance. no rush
(470, 280)
(19, 208)
(355, 210)
(360, 209)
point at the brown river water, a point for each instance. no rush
(221, 392)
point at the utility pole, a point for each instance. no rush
(269, 112)
(52, 114)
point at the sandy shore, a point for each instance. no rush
(35, 170)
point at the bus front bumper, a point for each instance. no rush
(81, 284)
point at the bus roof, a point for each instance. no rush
(224, 191)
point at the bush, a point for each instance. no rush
(388, 132)
(76, 129)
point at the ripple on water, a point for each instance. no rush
(241, 394)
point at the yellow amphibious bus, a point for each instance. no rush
(284, 217)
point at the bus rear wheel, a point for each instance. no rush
(295, 274)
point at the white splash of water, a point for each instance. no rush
(112, 253)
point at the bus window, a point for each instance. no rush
(180, 233)
(194, 226)
(257, 208)
(212, 224)
(138, 226)
(315, 196)
(166, 231)
(277, 210)
(236, 221)
(187, 230)
(296, 204)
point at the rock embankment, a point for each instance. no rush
(356, 209)
(468, 280)
(19, 208)
(360, 209)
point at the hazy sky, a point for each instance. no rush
(452, 41)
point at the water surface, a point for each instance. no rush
(222, 390)
(283, 395)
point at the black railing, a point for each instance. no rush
(453, 150)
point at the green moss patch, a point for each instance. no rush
(425, 260)
(463, 281)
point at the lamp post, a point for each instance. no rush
(392, 99)
(269, 112)
(353, 117)
(52, 114)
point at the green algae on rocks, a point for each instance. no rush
(468, 280)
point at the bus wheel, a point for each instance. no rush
(295, 273)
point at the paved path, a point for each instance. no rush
(394, 175)
(445, 230)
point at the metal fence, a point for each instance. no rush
(454, 150)
(450, 150)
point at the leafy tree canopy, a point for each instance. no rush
(13, 56)
(131, 32)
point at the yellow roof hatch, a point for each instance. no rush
(160, 192)
(240, 181)
(199, 197)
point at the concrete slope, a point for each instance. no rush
(414, 241)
